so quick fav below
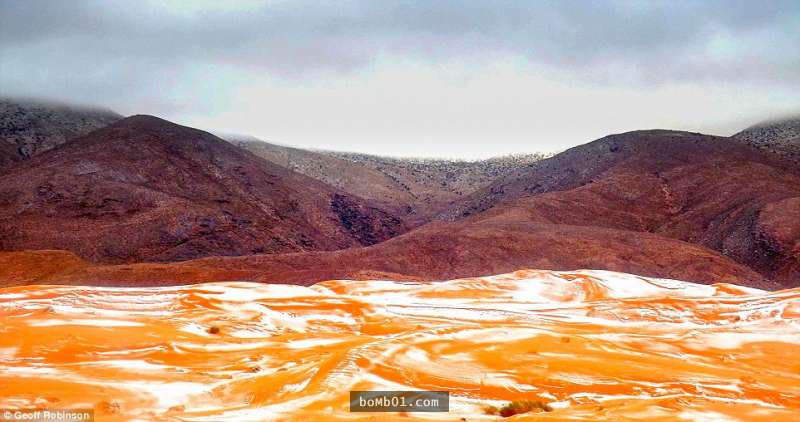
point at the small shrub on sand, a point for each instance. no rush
(491, 410)
(518, 406)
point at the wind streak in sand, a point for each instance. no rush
(592, 344)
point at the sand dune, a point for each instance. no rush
(592, 344)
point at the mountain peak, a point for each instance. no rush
(145, 123)
(778, 137)
(175, 193)
(145, 119)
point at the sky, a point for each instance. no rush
(456, 79)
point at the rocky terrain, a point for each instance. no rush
(344, 174)
(416, 188)
(435, 182)
(696, 188)
(578, 346)
(28, 128)
(778, 137)
(8, 154)
(145, 189)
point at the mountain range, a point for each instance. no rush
(146, 201)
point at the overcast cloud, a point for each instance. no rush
(431, 78)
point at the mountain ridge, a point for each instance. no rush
(415, 188)
(178, 193)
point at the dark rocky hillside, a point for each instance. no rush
(145, 189)
(777, 137)
(702, 189)
(28, 128)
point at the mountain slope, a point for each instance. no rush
(28, 128)
(696, 188)
(447, 250)
(173, 192)
(415, 188)
(434, 183)
(646, 152)
(344, 174)
(436, 251)
(8, 154)
(778, 137)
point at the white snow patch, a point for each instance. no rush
(312, 342)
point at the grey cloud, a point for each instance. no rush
(100, 48)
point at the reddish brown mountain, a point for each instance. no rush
(144, 189)
(655, 203)
(645, 152)
(706, 190)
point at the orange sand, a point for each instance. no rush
(593, 344)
